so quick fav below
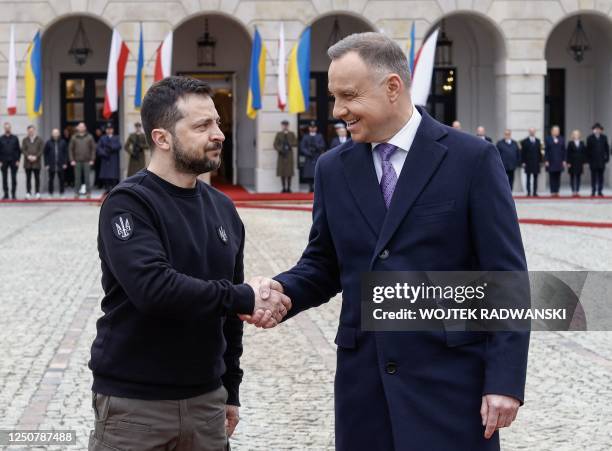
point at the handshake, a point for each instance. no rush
(271, 304)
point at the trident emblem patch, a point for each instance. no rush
(123, 226)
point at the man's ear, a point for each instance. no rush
(394, 87)
(161, 138)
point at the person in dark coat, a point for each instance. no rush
(56, 160)
(576, 157)
(531, 157)
(482, 134)
(446, 208)
(284, 143)
(10, 155)
(342, 136)
(108, 151)
(554, 158)
(598, 154)
(510, 155)
(312, 146)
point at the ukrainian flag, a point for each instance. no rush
(139, 94)
(411, 47)
(298, 74)
(257, 76)
(33, 78)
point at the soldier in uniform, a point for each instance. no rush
(284, 143)
(135, 146)
(166, 357)
(312, 146)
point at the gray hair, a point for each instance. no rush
(378, 51)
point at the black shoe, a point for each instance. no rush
(600, 194)
(289, 190)
(14, 196)
(5, 197)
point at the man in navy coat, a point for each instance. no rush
(510, 155)
(407, 193)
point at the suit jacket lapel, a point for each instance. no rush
(363, 184)
(421, 162)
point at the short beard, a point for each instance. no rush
(185, 164)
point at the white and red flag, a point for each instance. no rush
(11, 83)
(116, 71)
(281, 81)
(163, 58)
(423, 70)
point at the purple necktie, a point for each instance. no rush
(389, 177)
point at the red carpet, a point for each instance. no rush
(238, 194)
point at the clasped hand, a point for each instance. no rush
(271, 304)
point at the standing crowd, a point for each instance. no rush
(69, 159)
(556, 155)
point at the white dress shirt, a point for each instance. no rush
(403, 141)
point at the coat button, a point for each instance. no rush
(391, 367)
(384, 254)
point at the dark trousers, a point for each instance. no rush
(69, 176)
(60, 178)
(533, 190)
(575, 182)
(510, 175)
(597, 181)
(29, 173)
(5, 167)
(555, 181)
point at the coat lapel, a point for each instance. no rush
(363, 184)
(422, 160)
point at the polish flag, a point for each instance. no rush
(281, 81)
(116, 72)
(423, 70)
(163, 58)
(11, 85)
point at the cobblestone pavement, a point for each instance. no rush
(49, 302)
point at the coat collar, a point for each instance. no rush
(425, 155)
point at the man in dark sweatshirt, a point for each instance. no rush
(166, 358)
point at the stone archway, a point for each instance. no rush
(478, 49)
(578, 94)
(326, 30)
(73, 91)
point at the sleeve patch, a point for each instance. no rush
(123, 226)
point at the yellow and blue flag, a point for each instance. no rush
(298, 74)
(33, 78)
(411, 47)
(257, 76)
(139, 94)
